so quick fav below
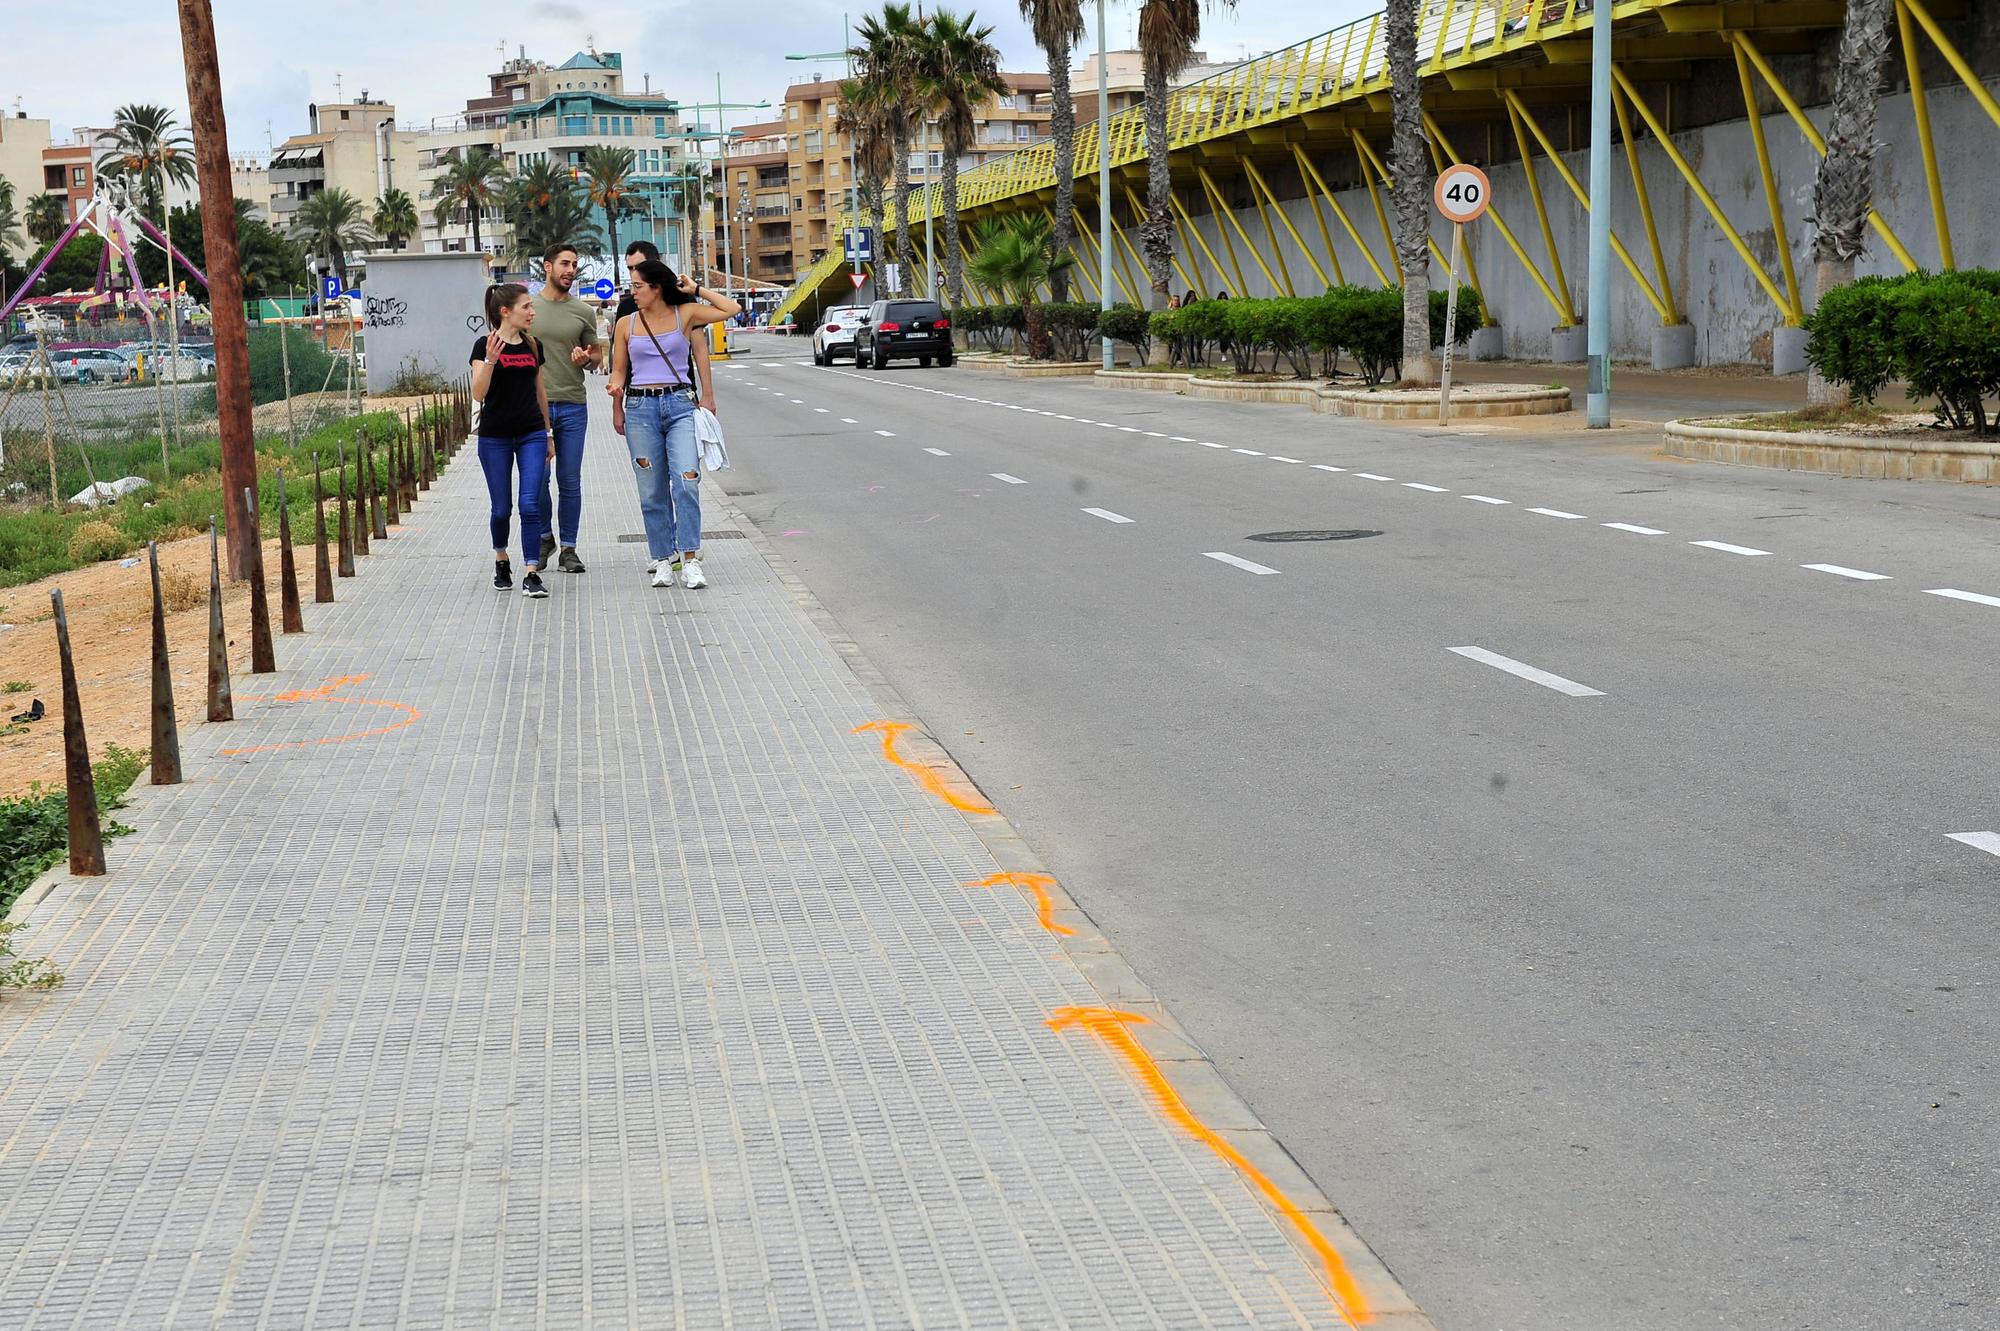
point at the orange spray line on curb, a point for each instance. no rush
(1039, 884)
(927, 776)
(325, 693)
(1109, 1025)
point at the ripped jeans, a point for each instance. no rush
(666, 465)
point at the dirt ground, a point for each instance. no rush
(110, 607)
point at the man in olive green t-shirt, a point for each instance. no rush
(567, 330)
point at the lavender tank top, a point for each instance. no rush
(648, 370)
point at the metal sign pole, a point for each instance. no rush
(1450, 322)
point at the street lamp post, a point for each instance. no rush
(1103, 186)
(1597, 330)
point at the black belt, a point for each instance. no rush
(659, 390)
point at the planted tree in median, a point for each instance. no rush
(1168, 31)
(1844, 185)
(958, 73)
(1058, 27)
(1411, 192)
(1015, 257)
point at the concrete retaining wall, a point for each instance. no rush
(1896, 457)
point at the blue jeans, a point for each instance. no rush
(666, 463)
(569, 420)
(499, 455)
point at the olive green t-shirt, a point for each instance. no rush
(561, 326)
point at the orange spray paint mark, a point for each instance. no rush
(1109, 1025)
(326, 693)
(927, 776)
(1039, 884)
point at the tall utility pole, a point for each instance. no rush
(225, 280)
(1104, 183)
(1597, 331)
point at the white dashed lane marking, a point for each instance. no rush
(1371, 476)
(1247, 452)
(886, 434)
(1003, 476)
(1635, 530)
(1958, 595)
(1322, 466)
(1860, 575)
(1487, 499)
(1986, 841)
(1234, 562)
(937, 452)
(1729, 549)
(1107, 515)
(1555, 513)
(1528, 672)
(1419, 485)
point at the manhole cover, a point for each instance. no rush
(1281, 537)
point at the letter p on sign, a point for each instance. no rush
(1461, 193)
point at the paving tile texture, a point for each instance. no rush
(623, 987)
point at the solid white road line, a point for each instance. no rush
(1528, 672)
(1555, 513)
(1957, 595)
(1107, 515)
(1636, 531)
(886, 434)
(1234, 562)
(1321, 466)
(1247, 452)
(1837, 570)
(1371, 476)
(937, 452)
(1487, 499)
(1986, 841)
(1419, 485)
(1729, 549)
(1003, 476)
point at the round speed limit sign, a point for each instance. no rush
(1462, 193)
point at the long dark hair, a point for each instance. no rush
(655, 273)
(500, 298)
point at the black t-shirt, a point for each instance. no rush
(625, 306)
(512, 407)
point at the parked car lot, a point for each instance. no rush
(835, 334)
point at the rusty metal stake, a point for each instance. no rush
(361, 523)
(262, 660)
(392, 493)
(288, 567)
(375, 517)
(86, 836)
(221, 707)
(412, 482)
(346, 543)
(322, 566)
(166, 733)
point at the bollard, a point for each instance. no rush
(346, 544)
(288, 567)
(391, 491)
(322, 567)
(166, 733)
(412, 482)
(360, 511)
(375, 519)
(262, 660)
(86, 836)
(221, 707)
(427, 448)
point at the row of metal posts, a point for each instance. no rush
(426, 440)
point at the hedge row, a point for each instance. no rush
(1940, 332)
(1363, 323)
(1071, 326)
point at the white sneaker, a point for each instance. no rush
(692, 576)
(663, 573)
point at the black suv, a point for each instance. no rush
(900, 329)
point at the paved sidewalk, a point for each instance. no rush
(604, 978)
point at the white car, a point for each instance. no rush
(835, 333)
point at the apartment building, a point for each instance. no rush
(753, 194)
(22, 143)
(816, 152)
(353, 146)
(1126, 81)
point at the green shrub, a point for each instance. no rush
(1471, 315)
(1941, 332)
(1070, 324)
(313, 369)
(1132, 326)
(1367, 324)
(1204, 324)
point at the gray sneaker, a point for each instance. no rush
(548, 550)
(568, 562)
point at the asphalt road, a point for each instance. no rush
(1646, 992)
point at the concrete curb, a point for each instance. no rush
(1021, 369)
(1901, 458)
(1190, 1071)
(1387, 404)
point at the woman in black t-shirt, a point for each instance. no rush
(513, 429)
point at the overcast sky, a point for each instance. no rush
(428, 56)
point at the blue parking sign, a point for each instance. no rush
(860, 245)
(329, 287)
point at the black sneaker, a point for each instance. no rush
(548, 550)
(568, 562)
(531, 586)
(503, 574)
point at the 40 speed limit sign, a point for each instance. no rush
(1462, 193)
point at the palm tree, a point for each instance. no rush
(874, 155)
(472, 182)
(1411, 192)
(1058, 27)
(330, 223)
(1168, 30)
(47, 217)
(1015, 256)
(607, 183)
(961, 70)
(547, 207)
(10, 220)
(396, 218)
(267, 260)
(886, 60)
(148, 149)
(1842, 189)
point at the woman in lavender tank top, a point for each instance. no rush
(659, 374)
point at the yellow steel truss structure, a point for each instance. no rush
(1495, 67)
